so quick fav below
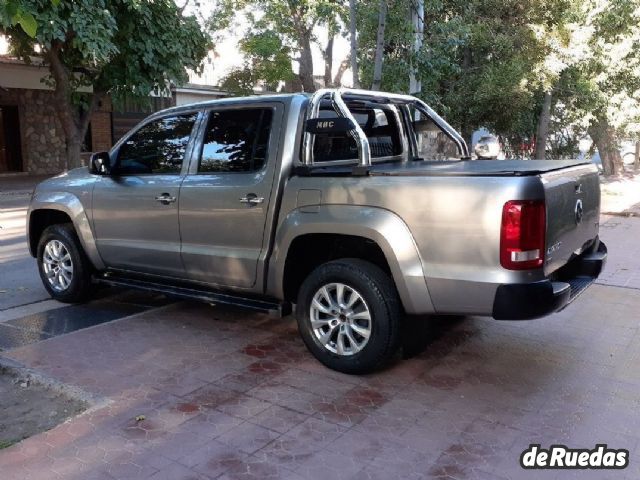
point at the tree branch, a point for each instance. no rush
(344, 65)
(181, 9)
(85, 117)
(61, 93)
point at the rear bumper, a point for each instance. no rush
(525, 301)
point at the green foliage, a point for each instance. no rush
(117, 46)
(397, 50)
(267, 61)
(26, 21)
(13, 12)
(602, 87)
(240, 81)
(276, 33)
(478, 63)
(7, 443)
(125, 48)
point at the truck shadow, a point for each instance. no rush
(420, 331)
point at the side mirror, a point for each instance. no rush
(329, 125)
(487, 148)
(100, 163)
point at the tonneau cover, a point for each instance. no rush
(474, 167)
(468, 168)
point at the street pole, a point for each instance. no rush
(354, 43)
(417, 22)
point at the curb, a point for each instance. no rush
(22, 372)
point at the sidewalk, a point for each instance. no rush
(622, 236)
(19, 184)
(620, 195)
(198, 392)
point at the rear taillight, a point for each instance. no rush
(522, 234)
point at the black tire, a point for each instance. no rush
(79, 287)
(378, 291)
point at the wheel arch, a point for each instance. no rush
(39, 220)
(325, 247)
(369, 233)
(50, 208)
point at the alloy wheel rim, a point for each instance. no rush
(57, 265)
(340, 319)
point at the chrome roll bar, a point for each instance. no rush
(364, 151)
(313, 110)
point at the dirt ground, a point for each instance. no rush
(28, 408)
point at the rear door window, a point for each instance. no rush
(236, 140)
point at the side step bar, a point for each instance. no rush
(275, 309)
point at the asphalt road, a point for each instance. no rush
(20, 284)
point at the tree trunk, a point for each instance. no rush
(74, 148)
(417, 22)
(328, 61)
(636, 161)
(543, 127)
(74, 122)
(603, 135)
(466, 131)
(344, 65)
(306, 63)
(292, 86)
(377, 65)
(354, 43)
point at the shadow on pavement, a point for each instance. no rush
(419, 332)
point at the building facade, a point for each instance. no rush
(31, 136)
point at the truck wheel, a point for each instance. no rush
(64, 268)
(348, 314)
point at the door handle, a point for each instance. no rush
(165, 199)
(252, 199)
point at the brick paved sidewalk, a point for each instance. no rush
(226, 394)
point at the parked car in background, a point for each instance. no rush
(331, 202)
(487, 148)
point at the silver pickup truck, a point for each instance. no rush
(357, 207)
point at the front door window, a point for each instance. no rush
(157, 148)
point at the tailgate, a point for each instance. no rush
(572, 198)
